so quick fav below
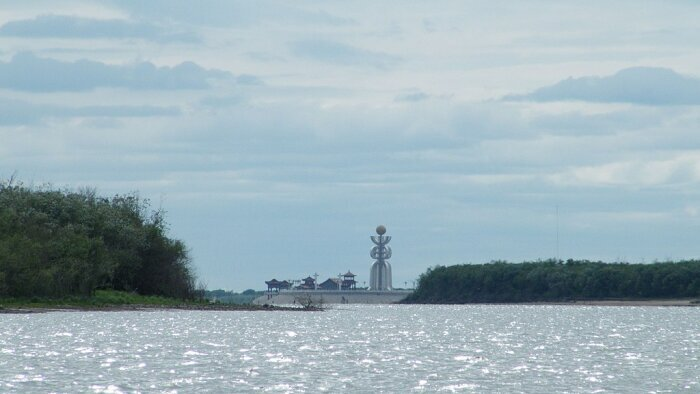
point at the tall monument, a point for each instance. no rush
(380, 273)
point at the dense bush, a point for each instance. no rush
(55, 243)
(557, 281)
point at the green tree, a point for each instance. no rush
(55, 243)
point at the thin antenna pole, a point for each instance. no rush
(557, 233)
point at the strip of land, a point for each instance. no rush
(675, 302)
(680, 302)
(136, 307)
(248, 307)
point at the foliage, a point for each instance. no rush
(58, 243)
(557, 281)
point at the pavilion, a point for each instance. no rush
(275, 285)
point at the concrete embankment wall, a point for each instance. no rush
(333, 297)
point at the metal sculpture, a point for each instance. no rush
(380, 273)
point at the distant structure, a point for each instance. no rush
(349, 282)
(275, 285)
(308, 283)
(330, 284)
(380, 273)
(344, 281)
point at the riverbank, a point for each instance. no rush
(678, 302)
(115, 301)
(657, 302)
(141, 303)
(26, 309)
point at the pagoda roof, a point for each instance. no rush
(308, 278)
(349, 274)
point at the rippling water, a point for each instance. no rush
(354, 348)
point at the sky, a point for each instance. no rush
(278, 134)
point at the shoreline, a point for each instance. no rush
(693, 302)
(147, 308)
(672, 302)
(269, 308)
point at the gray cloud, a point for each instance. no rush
(637, 85)
(221, 101)
(633, 119)
(343, 54)
(127, 111)
(16, 112)
(66, 26)
(247, 79)
(31, 73)
(411, 97)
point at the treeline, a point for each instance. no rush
(557, 281)
(56, 243)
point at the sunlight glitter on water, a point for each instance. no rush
(386, 348)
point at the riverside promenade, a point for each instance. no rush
(291, 297)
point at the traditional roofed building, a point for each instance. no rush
(330, 284)
(342, 282)
(275, 285)
(308, 283)
(349, 281)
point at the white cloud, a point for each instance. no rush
(225, 13)
(682, 168)
(343, 54)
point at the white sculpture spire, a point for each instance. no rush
(380, 273)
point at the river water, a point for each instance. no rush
(356, 348)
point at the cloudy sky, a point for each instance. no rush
(278, 134)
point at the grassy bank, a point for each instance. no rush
(102, 298)
(111, 300)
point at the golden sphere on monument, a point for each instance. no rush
(381, 230)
